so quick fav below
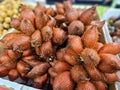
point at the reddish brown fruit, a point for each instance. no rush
(22, 44)
(47, 50)
(71, 15)
(88, 15)
(15, 23)
(32, 62)
(59, 36)
(63, 82)
(39, 8)
(90, 37)
(60, 8)
(13, 74)
(36, 39)
(51, 22)
(13, 55)
(46, 33)
(76, 28)
(27, 13)
(60, 67)
(11, 65)
(85, 85)
(111, 77)
(38, 70)
(75, 43)
(93, 73)
(111, 48)
(4, 58)
(90, 57)
(40, 20)
(67, 5)
(27, 52)
(3, 71)
(78, 73)
(71, 57)
(26, 27)
(109, 63)
(60, 53)
(100, 85)
(39, 81)
(99, 24)
(50, 11)
(23, 68)
(60, 17)
(52, 73)
(98, 46)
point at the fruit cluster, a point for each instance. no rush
(59, 49)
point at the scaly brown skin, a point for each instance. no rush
(78, 73)
(26, 27)
(22, 44)
(27, 52)
(50, 11)
(51, 22)
(75, 43)
(15, 23)
(36, 39)
(76, 27)
(27, 13)
(59, 36)
(67, 5)
(71, 57)
(3, 71)
(60, 53)
(109, 63)
(99, 24)
(60, 67)
(23, 68)
(46, 50)
(93, 73)
(52, 73)
(111, 77)
(13, 74)
(39, 8)
(40, 20)
(71, 15)
(90, 57)
(98, 46)
(90, 37)
(4, 58)
(60, 8)
(100, 85)
(63, 82)
(110, 48)
(8, 40)
(13, 55)
(88, 15)
(39, 81)
(85, 85)
(38, 70)
(46, 33)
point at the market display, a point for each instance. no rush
(59, 49)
